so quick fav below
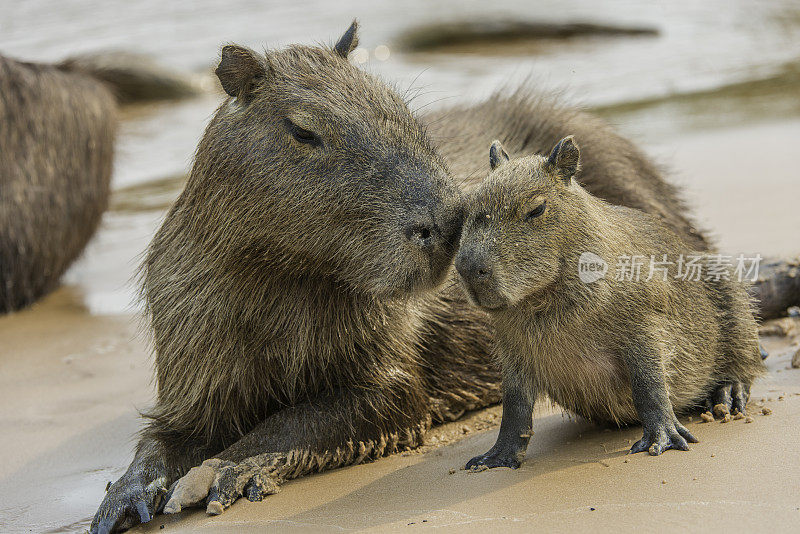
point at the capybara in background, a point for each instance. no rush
(56, 149)
(133, 77)
(297, 289)
(619, 345)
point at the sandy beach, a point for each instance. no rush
(72, 383)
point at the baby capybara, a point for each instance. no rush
(619, 348)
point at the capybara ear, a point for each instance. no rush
(348, 41)
(239, 70)
(565, 159)
(497, 155)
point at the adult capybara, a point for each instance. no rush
(56, 148)
(293, 288)
(653, 330)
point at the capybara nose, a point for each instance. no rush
(420, 231)
(472, 267)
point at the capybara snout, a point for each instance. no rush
(432, 223)
(477, 273)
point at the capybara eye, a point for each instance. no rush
(302, 135)
(535, 212)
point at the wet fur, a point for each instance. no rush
(286, 282)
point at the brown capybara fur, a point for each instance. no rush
(56, 149)
(294, 288)
(612, 345)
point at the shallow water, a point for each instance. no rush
(701, 47)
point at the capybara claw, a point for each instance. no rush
(258, 488)
(661, 437)
(128, 502)
(166, 498)
(490, 460)
(143, 511)
(193, 487)
(254, 493)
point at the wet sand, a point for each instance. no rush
(72, 382)
(69, 389)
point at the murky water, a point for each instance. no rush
(701, 46)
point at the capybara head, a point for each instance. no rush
(319, 169)
(517, 224)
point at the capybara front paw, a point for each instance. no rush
(127, 503)
(219, 484)
(494, 459)
(659, 437)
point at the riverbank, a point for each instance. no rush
(72, 383)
